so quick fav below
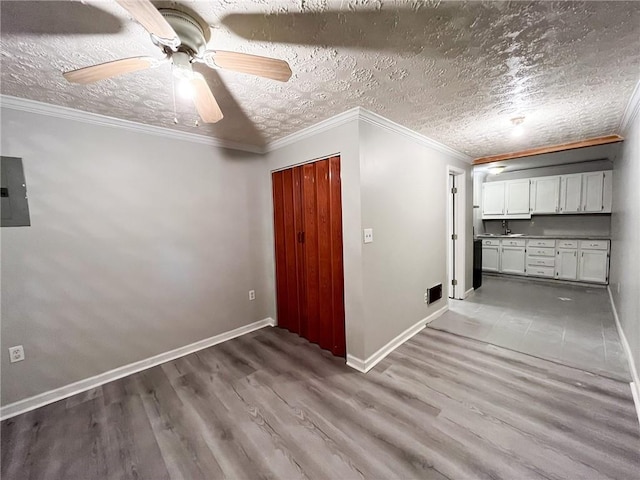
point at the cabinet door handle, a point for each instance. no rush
(574, 254)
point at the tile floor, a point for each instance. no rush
(572, 325)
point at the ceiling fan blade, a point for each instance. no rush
(152, 20)
(109, 69)
(252, 64)
(205, 102)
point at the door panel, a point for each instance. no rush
(337, 268)
(286, 227)
(309, 264)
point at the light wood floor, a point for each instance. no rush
(270, 405)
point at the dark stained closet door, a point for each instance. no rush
(308, 238)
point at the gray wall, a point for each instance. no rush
(625, 232)
(404, 199)
(138, 245)
(397, 187)
(599, 225)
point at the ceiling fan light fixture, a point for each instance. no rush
(182, 68)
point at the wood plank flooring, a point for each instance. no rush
(271, 405)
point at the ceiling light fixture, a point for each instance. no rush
(518, 129)
(497, 170)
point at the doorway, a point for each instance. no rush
(307, 209)
(456, 238)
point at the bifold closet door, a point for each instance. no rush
(287, 206)
(309, 268)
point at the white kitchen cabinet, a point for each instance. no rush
(593, 264)
(493, 198)
(596, 192)
(545, 195)
(566, 264)
(491, 255)
(512, 260)
(517, 197)
(592, 192)
(571, 193)
(508, 199)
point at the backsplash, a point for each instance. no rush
(597, 225)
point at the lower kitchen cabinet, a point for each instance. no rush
(563, 259)
(512, 260)
(491, 255)
(567, 264)
(593, 264)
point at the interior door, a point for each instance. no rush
(308, 241)
(452, 236)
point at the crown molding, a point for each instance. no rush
(359, 113)
(380, 121)
(632, 110)
(315, 129)
(32, 106)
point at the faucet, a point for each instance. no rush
(505, 227)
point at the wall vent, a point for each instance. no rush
(434, 293)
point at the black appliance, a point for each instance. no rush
(477, 264)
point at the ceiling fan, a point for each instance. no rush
(183, 41)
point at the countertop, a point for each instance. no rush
(558, 237)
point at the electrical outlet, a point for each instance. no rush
(16, 354)
(368, 235)
(426, 297)
(252, 294)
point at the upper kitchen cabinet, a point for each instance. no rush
(517, 197)
(545, 195)
(586, 192)
(570, 193)
(596, 192)
(493, 198)
(509, 199)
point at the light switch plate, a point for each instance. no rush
(368, 235)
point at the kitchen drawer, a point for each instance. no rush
(541, 242)
(541, 261)
(541, 252)
(541, 271)
(594, 244)
(567, 244)
(509, 242)
(491, 241)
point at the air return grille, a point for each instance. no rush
(434, 293)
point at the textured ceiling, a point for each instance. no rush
(454, 71)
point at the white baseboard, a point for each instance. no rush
(365, 365)
(635, 381)
(469, 292)
(31, 403)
